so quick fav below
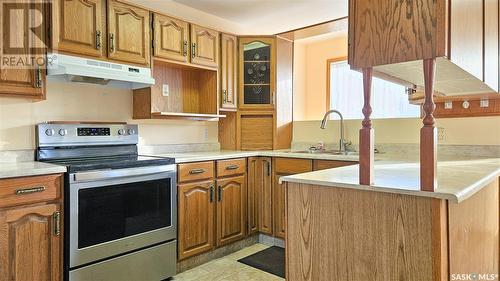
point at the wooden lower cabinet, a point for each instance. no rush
(30, 248)
(196, 218)
(259, 195)
(231, 209)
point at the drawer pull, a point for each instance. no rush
(211, 193)
(232, 167)
(219, 193)
(30, 190)
(196, 171)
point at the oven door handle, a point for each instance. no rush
(121, 173)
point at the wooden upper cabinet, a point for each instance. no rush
(204, 46)
(20, 80)
(196, 218)
(412, 35)
(231, 209)
(78, 27)
(463, 36)
(128, 33)
(229, 71)
(171, 38)
(31, 244)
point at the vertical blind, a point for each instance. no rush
(388, 100)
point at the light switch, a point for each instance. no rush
(165, 90)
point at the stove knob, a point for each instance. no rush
(121, 132)
(131, 131)
(50, 132)
(63, 132)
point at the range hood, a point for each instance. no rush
(76, 69)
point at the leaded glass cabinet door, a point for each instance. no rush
(257, 73)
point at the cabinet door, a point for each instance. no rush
(19, 79)
(196, 218)
(254, 131)
(253, 185)
(204, 46)
(229, 70)
(231, 206)
(78, 27)
(257, 74)
(279, 220)
(128, 38)
(265, 189)
(170, 38)
(30, 248)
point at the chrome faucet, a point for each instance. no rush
(325, 120)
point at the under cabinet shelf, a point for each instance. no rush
(182, 115)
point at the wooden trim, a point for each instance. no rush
(366, 133)
(428, 133)
(439, 236)
(328, 62)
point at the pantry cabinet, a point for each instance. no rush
(170, 38)
(204, 46)
(229, 71)
(128, 33)
(79, 27)
(31, 228)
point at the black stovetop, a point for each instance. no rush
(111, 162)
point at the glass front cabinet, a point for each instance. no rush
(257, 73)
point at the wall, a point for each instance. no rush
(80, 102)
(310, 105)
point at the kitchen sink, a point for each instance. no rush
(333, 152)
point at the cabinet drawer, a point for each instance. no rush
(328, 164)
(292, 165)
(25, 190)
(231, 167)
(195, 171)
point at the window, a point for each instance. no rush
(389, 100)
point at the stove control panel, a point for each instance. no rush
(65, 134)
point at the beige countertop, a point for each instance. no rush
(228, 154)
(458, 177)
(29, 168)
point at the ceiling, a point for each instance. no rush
(252, 16)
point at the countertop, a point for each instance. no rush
(458, 177)
(228, 154)
(30, 168)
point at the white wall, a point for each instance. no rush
(80, 102)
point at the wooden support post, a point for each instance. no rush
(366, 134)
(428, 133)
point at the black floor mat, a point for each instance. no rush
(271, 260)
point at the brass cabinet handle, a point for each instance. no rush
(30, 190)
(38, 79)
(193, 50)
(224, 95)
(98, 40)
(111, 42)
(185, 50)
(232, 167)
(211, 193)
(219, 194)
(57, 223)
(196, 171)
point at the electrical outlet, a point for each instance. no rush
(165, 90)
(441, 134)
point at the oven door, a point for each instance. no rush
(117, 211)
